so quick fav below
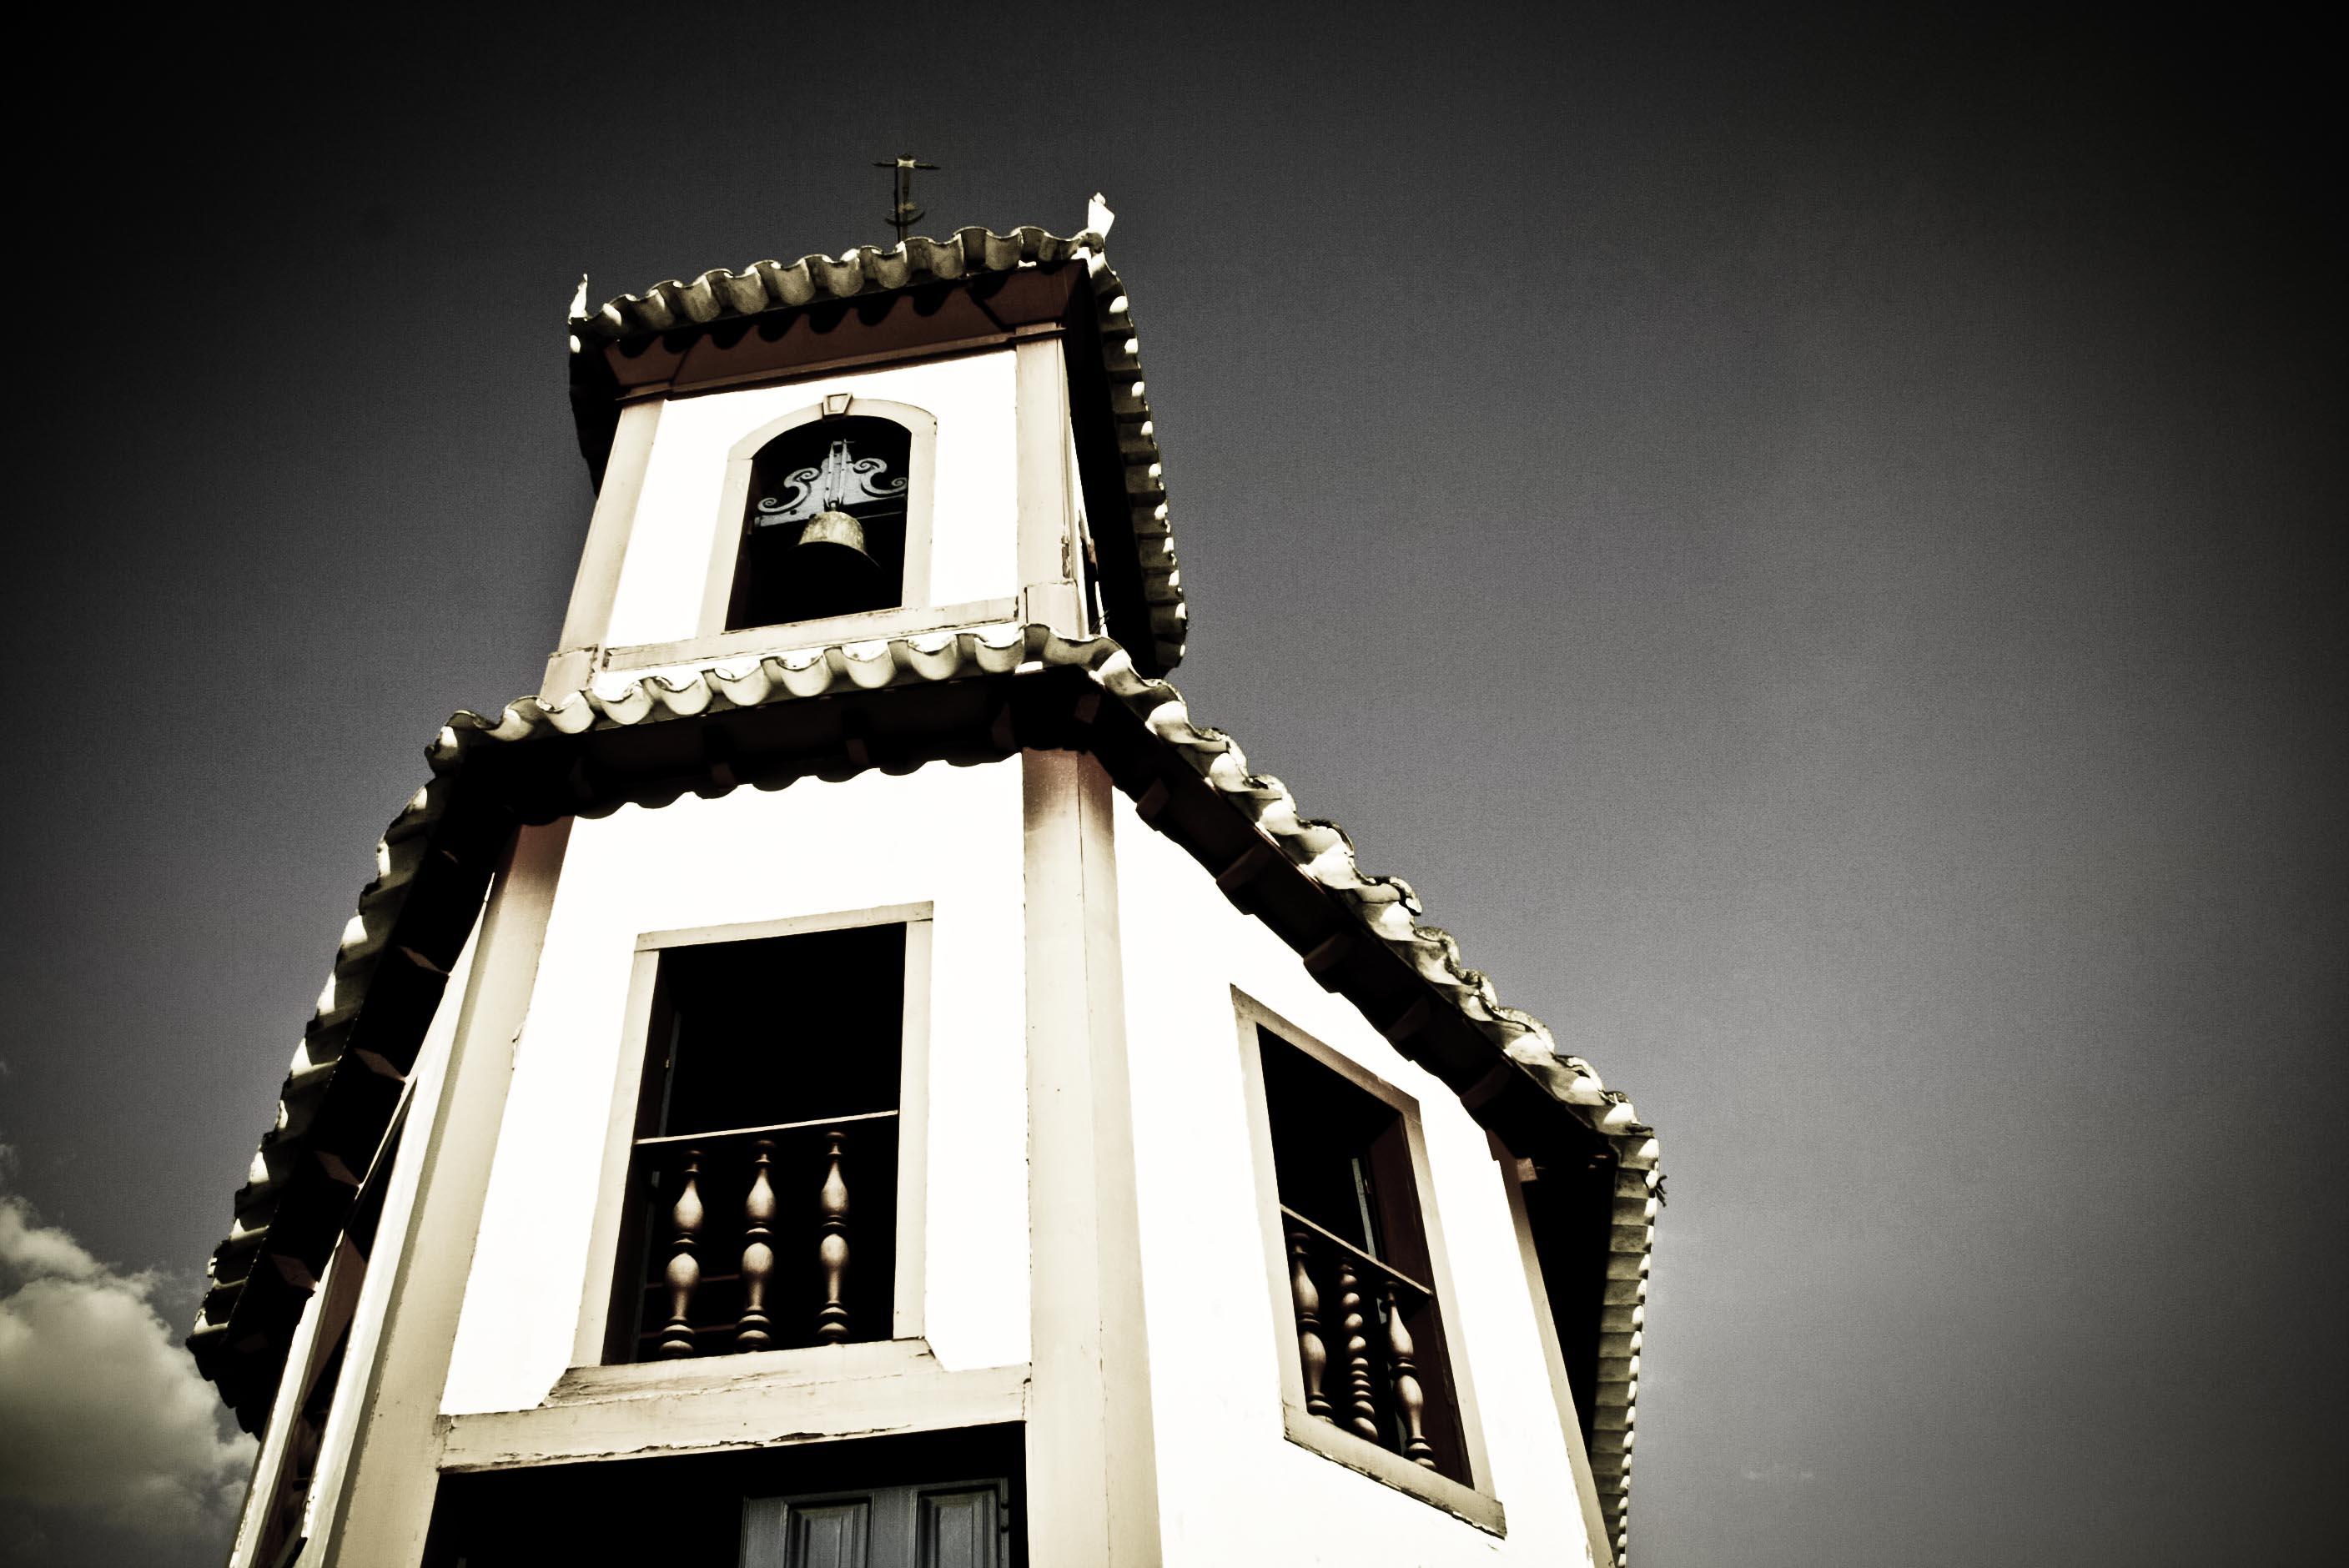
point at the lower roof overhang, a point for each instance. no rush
(966, 696)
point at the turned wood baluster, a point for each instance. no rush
(758, 1251)
(684, 1273)
(1362, 1415)
(1312, 1354)
(832, 1251)
(1410, 1399)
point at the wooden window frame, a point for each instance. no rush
(1474, 1502)
(913, 1133)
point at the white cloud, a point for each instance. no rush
(101, 1411)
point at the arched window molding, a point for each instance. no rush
(734, 498)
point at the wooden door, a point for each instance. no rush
(965, 1524)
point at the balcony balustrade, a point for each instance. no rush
(763, 1238)
(1359, 1320)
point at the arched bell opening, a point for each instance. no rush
(823, 524)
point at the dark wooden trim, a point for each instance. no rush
(1326, 957)
(1246, 867)
(1484, 1090)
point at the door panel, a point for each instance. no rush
(780, 1533)
(957, 1530)
(963, 1525)
(831, 1535)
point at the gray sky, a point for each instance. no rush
(1814, 539)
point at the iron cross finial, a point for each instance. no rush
(904, 214)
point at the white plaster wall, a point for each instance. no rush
(974, 515)
(1232, 1488)
(948, 836)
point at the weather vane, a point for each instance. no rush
(904, 214)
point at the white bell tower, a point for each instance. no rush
(850, 1074)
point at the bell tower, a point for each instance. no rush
(947, 434)
(849, 1073)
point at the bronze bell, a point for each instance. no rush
(833, 528)
(829, 571)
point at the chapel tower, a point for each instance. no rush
(849, 1073)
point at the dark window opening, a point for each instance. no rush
(823, 530)
(763, 1180)
(1369, 1329)
(951, 1499)
(957, 1525)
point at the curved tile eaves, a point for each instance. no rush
(1322, 849)
(319, 1051)
(1623, 1319)
(766, 286)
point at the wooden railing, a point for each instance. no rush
(760, 1238)
(1361, 1363)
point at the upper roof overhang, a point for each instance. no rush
(920, 297)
